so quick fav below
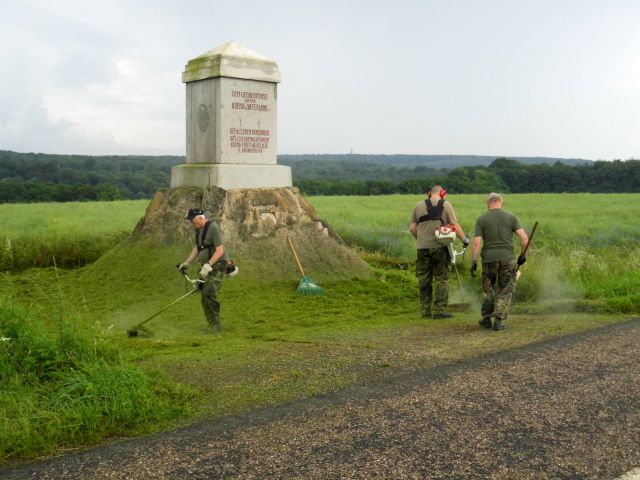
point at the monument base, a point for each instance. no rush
(230, 176)
(256, 226)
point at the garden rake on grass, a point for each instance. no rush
(197, 285)
(306, 286)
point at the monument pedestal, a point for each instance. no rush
(256, 225)
(230, 176)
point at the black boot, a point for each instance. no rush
(485, 322)
(442, 315)
(498, 324)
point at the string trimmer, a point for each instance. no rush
(197, 285)
(446, 235)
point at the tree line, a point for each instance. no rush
(502, 175)
(28, 177)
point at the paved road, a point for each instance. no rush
(568, 408)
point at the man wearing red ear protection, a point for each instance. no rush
(432, 263)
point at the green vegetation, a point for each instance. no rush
(73, 233)
(37, 177)
(277, 346)
(62, 386)
(28, 177)
(593, 263)
(503, 175)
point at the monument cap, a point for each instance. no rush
(231, 60)
(193, 213)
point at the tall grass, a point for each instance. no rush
(586, 247)
(75, 233)
(65, 387)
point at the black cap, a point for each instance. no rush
(193, 213)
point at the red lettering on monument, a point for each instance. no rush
(250, 101)
(249, 140)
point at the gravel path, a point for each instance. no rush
(568, 408)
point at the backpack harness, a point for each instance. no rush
(434, 212)
(201, 238)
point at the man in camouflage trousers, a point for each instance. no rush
(210, 252)
(432, 263)
(494, 231)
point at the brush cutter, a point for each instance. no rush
(446, 235)
(518, 272)
(197, 285)
(306, 286)
(453, 255)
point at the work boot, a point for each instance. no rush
(498, 324)
(485, 322)
(426, 314)
(215, 327)
(442, 315)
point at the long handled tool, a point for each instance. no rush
(197, 285)
(306, 286)
(526, 247)
(453, 254)
(518, 272)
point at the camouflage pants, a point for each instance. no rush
(210, 303)
(432, 266)
(498, 284)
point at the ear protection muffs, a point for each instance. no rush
(443, 192)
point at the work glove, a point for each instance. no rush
(205, 270)
(466, 241)
(473, 268)
(182, 268)
(522, 259)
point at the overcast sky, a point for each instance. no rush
(521, 78)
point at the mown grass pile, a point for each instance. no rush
(64, 387)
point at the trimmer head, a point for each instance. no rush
(459, 307)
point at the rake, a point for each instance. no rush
(306, 286)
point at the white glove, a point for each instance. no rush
(182, 268)
(205, 270)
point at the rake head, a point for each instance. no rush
(306, 286)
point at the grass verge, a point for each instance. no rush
(63, 387)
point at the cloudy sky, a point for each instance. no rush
(512, 77)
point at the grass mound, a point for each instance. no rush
(66, 387)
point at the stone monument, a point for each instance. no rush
(232, 173)
(231, 122)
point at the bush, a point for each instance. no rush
(70, 388)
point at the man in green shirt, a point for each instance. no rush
(210, 252)
(494, 231)
(432, 263)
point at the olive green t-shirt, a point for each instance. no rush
(427, 230)
(496, 227)
(214, 236)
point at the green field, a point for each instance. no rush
(72, 359)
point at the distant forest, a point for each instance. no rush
(30, 177)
